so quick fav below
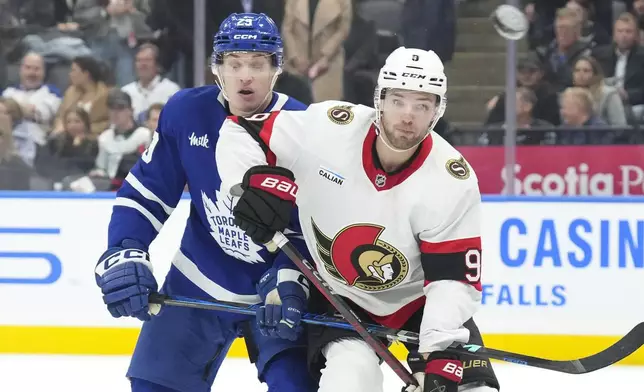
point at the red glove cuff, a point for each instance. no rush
(450, 369)
(280, 186)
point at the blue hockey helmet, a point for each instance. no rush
(248, 32)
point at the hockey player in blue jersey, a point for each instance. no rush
(181, 349)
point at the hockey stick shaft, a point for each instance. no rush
(341, 306)
(308, 318)
(618, 351)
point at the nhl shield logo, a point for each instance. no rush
(381, 180)
(358, 257)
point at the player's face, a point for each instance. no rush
(247, 78)
(406, 117)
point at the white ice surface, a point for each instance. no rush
(35, 373)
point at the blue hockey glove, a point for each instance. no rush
(285, 293)
(125, 277)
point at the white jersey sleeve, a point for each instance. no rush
(274, 138)
(451, 261)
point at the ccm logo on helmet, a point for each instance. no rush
(413, 75)
(244, 36)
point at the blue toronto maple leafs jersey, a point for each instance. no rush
(215, 255)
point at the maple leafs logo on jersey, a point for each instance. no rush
(358, 257)
(231, 239)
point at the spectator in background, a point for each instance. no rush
(542, 14)
(313, 34)
(39, 102)
(526, 102)
(173, 20)
(362, 63)
(638, 12)
(577, 110)
(88, 91)
(113, 28)
(23, 131)
(607, 103)
(150, 87)
(273, 8)
(17, 17)
(14, 172)
(623, 64)
(591, 33)
(152, 116)
(430, 25)
(72, 152)
(560, 56)
(530, 75)
(121, 145)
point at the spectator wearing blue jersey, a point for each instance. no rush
(182, 349)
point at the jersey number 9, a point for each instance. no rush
(473, 264)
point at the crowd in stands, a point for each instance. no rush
(83, 81)
(585, 68)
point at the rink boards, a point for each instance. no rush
(562, 278)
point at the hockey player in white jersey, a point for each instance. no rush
(390, 212)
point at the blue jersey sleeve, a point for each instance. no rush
(153, 187)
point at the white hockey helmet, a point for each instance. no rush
(414, 70)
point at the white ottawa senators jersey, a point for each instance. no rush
(386, 241)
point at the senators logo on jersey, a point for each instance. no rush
(358, 257)
(341, 115)
(458, 168)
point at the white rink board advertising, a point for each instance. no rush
(48, 250)
(573, 268)
(565, 267)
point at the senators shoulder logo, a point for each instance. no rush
(458, 168)
(341, 115)
(358, 257)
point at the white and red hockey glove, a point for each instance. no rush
(439, 372)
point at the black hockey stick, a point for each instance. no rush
(624, 347)
(341, 306)
(615, 353)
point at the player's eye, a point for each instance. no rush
(422, 107)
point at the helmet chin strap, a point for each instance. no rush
(384, 139)
(383, 136)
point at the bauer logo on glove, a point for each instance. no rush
(266, 203)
